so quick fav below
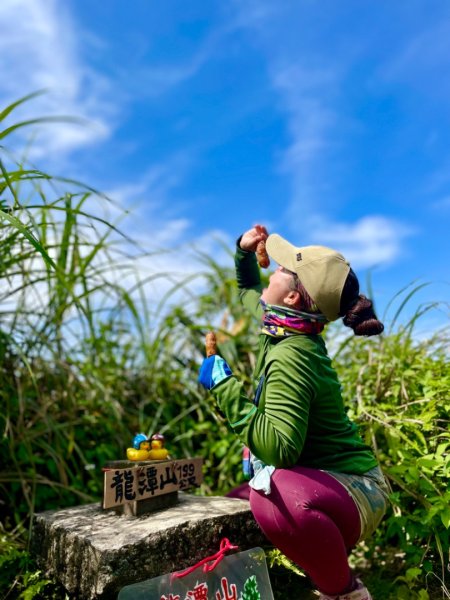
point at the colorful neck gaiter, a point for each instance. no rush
(280, 321)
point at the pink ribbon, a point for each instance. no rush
(225, 546)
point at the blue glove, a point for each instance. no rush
(213, 370)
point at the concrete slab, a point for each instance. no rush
(94, 553)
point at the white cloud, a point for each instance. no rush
(308, 89)
(155, 81)
(443, 204)
(309, 85)
(155, 226)
(155, 202)
(169, 277)
(39, 50)
(253, 14)
(311, 121)
(372, 241)
(421, 58)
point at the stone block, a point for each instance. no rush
(94, 553)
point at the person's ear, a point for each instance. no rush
(293, 298)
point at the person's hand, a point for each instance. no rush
(252, 237)
(213, 370)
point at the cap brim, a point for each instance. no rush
(282, 251)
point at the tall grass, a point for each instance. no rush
(85, 362)
(88, 359)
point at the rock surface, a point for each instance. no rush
(94, 553)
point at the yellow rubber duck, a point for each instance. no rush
(157, 450)
(140, 449)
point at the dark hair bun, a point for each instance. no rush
(361, 318)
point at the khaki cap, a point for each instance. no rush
(322, 271)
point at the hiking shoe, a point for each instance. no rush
(360, 593)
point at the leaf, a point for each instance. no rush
(4, 113)
(412, 573)
(445, 517)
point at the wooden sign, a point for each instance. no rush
(150, 479)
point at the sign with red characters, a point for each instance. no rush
(241, 576)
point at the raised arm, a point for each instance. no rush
(247, 270)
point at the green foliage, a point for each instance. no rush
(87, 361)
(19, 576)
(397, 388)
(286, 579)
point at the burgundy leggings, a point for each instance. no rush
(312, 519)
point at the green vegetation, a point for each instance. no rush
(87, 360)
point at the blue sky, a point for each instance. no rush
(326, 120)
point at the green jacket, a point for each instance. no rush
(300, 418)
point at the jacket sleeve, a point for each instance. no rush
(275, 432)
(249, 280)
